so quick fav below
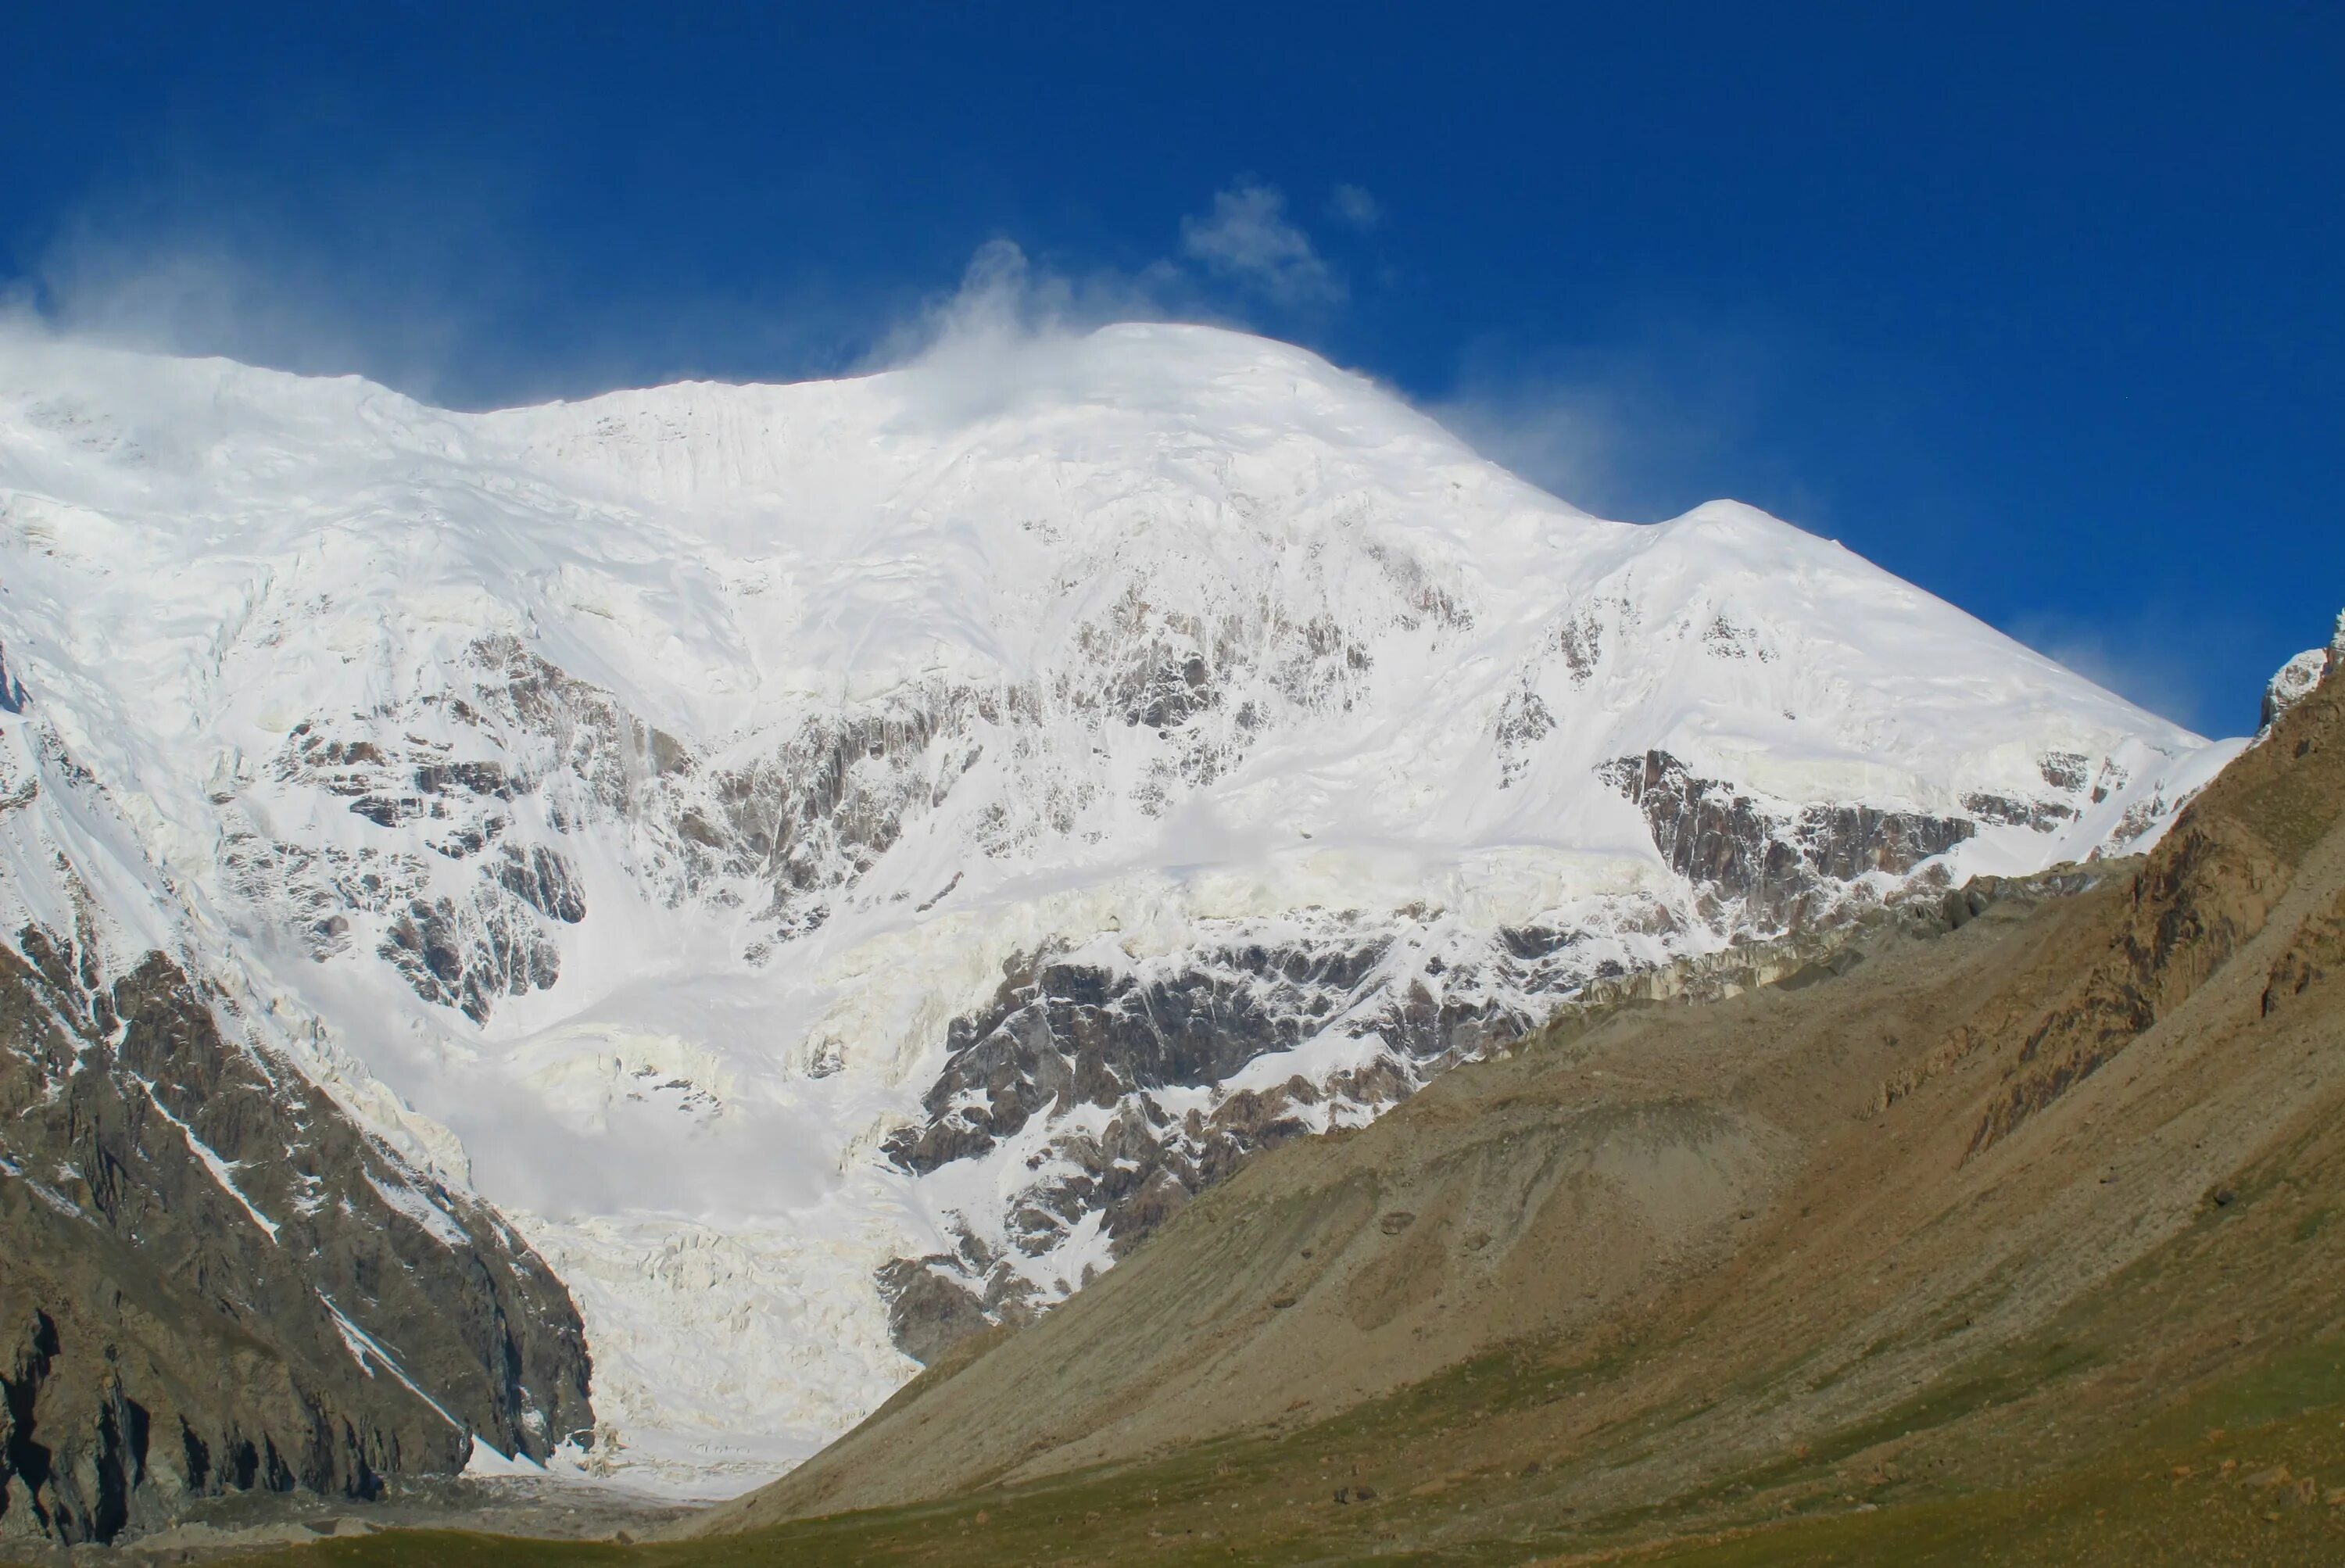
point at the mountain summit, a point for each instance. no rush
(832, 865)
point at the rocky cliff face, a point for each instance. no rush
(213, 1277)
(2295, 680)
(2207, 892)
(1777, 862)
(216, 1282)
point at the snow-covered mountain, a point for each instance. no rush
(833, 861)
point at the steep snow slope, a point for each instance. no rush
(880, 844)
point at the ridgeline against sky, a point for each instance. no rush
(2037, 309)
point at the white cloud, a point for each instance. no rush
(2141, 657)
(1014, 328)
(414, 277)
(1349, 204)
(1248, 237)
(1566, 439)
(410, 277)
(1005, 297)
(356, 277)
(1661, 416)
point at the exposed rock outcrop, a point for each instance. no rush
(214, 1282)
(1064, 1034)
(2296, 680)
(2293, 682)
(2207, 887)
(1772, 858)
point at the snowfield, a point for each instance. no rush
(752, 834)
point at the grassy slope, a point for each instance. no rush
(2200, 1485)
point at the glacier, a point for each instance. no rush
(837, 861)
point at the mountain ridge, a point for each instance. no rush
(764, 840)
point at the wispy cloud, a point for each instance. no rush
(2157, 659)
(416, 282)
(1567, 439)
(1005, 295)
(1011, 327)
(1003, 322)
(202, 267)
(411, 278)
(1247, 237)
(1353, 206)
(1667, 409)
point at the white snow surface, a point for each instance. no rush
(1394, 668)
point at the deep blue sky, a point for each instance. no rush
(2039, 306)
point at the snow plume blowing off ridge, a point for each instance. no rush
(837, 863)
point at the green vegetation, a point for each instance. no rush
(2244, 1471)
(2260, 1495)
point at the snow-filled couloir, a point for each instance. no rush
(835, 862)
